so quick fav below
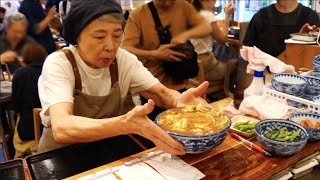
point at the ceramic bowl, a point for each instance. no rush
(199, 144)
(316, 99)
(315, 74)
(316, 67)
(314, 134)
(289, 83)
(313, 85)
(316, 59)
(280, 148)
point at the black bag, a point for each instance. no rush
(188, 67)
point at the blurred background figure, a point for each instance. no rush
(13, 39)
(2, 15)
(25, 97)
(10, 6)
(39, 23)
(214, 69)
(271, 25)
(64, 8)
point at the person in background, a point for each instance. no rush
(13, 40)
(52, 3)
(214, 69)
(10, 6)
(38, 23)
(271, 25)
(2, 15)
(85, 91)
(141, 37)
(25, 97)
(64, 8)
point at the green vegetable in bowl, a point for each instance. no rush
(245, 126)
(283, 135)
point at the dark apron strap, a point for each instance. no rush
(70, 57)
(78, 85)
(114, 72)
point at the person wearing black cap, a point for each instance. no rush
(84, 89)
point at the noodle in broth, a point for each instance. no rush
(193, 120)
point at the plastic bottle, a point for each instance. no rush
(256, 86)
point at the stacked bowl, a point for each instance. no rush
(316, 65)
(292, 84)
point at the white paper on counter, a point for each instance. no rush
(105, 174)
(138, 170)
(172, 167)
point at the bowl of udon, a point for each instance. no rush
(196, 127)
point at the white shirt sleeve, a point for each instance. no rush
(56, 82)
(134, 72)
(209, 16)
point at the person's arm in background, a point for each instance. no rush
(222, 36)
(132, 38)
(36, 27)
(200, 27)
(313, 23)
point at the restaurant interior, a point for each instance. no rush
(160, 89)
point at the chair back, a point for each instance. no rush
(37, 124)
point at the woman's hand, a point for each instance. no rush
(8, 56)
(229, 8)
(139, 123)
(181, 38)
(166, 54)
(193, 96)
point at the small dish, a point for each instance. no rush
(240, 118)
(303, 37)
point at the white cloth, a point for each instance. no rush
(259, 60)
(204, 45)
(57, 81)
(265, 108)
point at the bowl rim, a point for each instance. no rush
(282, 142)
(304, 113)
(287, 74)
(224, 130)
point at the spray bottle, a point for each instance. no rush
(256, 86)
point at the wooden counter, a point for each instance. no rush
(299, 55)
(230, 160)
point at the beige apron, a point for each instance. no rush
(85, 105)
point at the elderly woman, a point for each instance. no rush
(13, 40)
(84, 89)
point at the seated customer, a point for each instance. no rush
(213, 68)
(13, 40)
(141, 37)
(271, 25)
(25, 97)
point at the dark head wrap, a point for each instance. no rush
(82, 12)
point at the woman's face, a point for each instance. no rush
(208, 4)
(98, 43)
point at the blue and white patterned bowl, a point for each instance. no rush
(280, 148)
(308, 97)
(315, 74)
(316, 59)
(314, 134)
(289, 83)
(313, 85)
(199, 144)
(316, 67)
(316, 99)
